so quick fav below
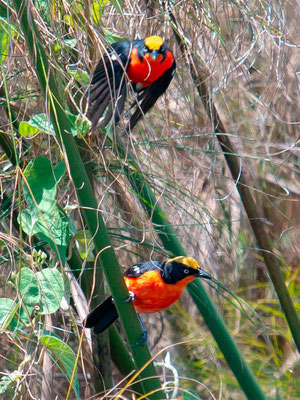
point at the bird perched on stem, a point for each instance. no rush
(148, 65)
(153, 286)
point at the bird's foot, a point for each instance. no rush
(142, 341)
(130, 299)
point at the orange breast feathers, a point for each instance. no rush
(147, 71)
(152, 294)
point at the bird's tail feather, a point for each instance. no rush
(102, 316)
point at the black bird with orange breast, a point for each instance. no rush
(153, 286)
(147, 64)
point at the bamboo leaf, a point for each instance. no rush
(64, 356)
(7, 311)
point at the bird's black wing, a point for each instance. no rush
(102, 316)
(139, 269)
(108, 86)
(148, 96)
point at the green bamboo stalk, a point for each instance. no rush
(119, 353)
(171, 243)
(273, 262)
(88, 203)
(8, 144)
(121, 357)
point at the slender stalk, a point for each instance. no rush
(119, 353)
(92, 216)
(121, 357)
(47, 381)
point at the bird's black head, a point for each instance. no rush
(179, 268)
(154, 47)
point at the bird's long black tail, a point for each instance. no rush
(102, 316)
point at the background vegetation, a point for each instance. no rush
(236, 83)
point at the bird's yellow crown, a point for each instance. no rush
(188, 261)
(154, 42)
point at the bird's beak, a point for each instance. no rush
(154, 54)
(202, 274)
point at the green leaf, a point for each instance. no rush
(79, 125)
(7, 312)
(3, 9)
(65, 44)
(190, 395)
(69, 20)
(98, 9)
(85, 245)
(27, 129)
(70, 42)
(25, 316)
(118, 4)
(44, 217)
(51, 287)
(112, 37)
(38, 123)
(4, 45)
(80, 75)
(45, 288)
(64, 355)
(7, 383)
(29, 288)
(59, 171)
(43, 8)
(6, 33)
(8, 26)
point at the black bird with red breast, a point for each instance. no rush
(153, 286)
(148, 65)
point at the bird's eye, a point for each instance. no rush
(186, 271)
